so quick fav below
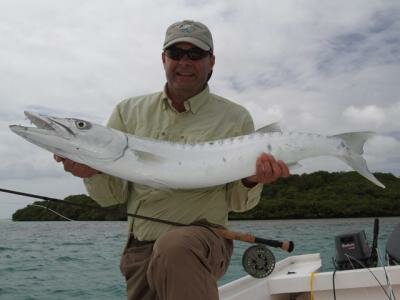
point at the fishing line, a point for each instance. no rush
(333, 284)
(53, 211)
(388, 281)
(376, 278)
(333, 279)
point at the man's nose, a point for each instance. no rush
(185, 59)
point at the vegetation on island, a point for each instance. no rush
(316, 195)
(37, 211)
(327, 195)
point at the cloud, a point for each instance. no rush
(294, 62)
(383, 153)
(373, 116)
(370, 114)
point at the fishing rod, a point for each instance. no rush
(257, 260)
(228, 234)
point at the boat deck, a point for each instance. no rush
(297, 277)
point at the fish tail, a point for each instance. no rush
(355, 141)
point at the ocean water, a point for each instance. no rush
(80, 260)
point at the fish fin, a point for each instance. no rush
(294, 166)
(355, 141)
(148, 157)
(273, 127)
(159, 184)
(358, 163)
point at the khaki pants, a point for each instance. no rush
(184, 263)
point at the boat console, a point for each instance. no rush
(352, 251)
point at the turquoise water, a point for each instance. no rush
(80, 260)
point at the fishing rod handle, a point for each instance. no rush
(287, 246)
(248, 238)
(237, 236)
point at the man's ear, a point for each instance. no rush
(163, 57)
(212, 61)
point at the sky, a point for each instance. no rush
(315, 66)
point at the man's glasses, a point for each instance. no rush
(192, 53)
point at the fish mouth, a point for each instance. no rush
(40, 121)
(44, 125)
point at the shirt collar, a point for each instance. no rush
(193, 104)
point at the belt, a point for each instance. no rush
(133, 241)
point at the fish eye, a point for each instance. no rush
(80, 124)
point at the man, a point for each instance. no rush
(162, 261)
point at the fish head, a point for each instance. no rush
(76, 139)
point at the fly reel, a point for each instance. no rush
(258, 261)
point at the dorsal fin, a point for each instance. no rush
(273, 127)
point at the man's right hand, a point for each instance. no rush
(77, 169)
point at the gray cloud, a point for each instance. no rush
(294, 62)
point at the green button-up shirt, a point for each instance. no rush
(207, 117)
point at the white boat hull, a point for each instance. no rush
(299, 278)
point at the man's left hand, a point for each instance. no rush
(267, 170)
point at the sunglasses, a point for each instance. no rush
(192, 53)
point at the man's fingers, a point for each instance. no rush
(268, 169)
(77, 169)
(266, 164)
(68, 165)
(285, 170)
(58, 158)
(277, 170)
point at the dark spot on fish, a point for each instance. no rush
(224, 159)
(269, 147)
(180, 163)
(211, 143)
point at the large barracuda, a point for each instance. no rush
(164, 164)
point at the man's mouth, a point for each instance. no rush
(185, 74)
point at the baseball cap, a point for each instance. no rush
(189, 31)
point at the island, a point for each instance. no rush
(316, 195)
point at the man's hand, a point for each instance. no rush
(267, 170)
(77, 169)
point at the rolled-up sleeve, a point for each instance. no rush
(107, 190)
(241, 198)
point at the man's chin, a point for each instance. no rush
(184, 80)
(189, 85)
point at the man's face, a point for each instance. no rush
(187, 75)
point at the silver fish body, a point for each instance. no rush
(164, 164)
